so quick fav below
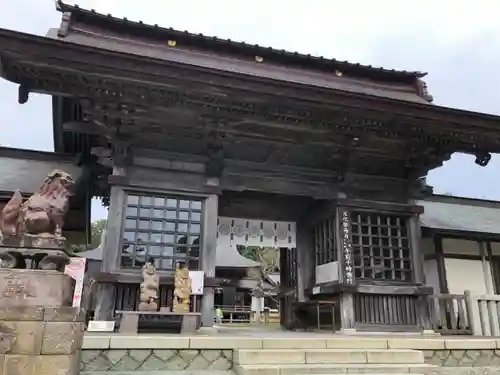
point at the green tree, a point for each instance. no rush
(269, 260)
(97, 228)
(96, 232)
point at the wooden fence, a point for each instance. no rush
(244, 314)
(235, 314)
(385, 310)
(466, 314)
(484, 313)
(449, 314)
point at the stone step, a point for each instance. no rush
(318, 356)
(159, 372)
(327, 369)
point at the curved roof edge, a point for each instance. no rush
(201, 40)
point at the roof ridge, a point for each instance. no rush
(457, 200)
(340, 65)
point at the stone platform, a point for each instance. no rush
(287, 353)
(40, 340)
(40, 333)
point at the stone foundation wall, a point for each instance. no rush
(464, 362)
(40, 340)
(174, 353)
(156, 359)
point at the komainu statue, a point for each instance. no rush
(43, 213)
(149, 288)
(182, 290)
(37, 223)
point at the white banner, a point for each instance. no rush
(76, 270)
(257, 304)
(197, 282)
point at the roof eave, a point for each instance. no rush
(28, 41)
(345, 66)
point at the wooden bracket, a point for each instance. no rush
(23, 94)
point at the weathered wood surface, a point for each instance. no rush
(385, 310)
(208, 257)
(484, 314)
(322, 129)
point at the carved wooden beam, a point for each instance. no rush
(65, 24)
(85, 127)
(345, 161)
(214, 145)
(284, 111)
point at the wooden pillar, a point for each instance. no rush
(346, 271)
(492, 312)
(441, 266)
(494, 268)
(208, 257)
(305, 260)
(416, 253)
(105, 298)
(423, 303)
(486, 261)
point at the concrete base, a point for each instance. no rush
(347, 331)
(41, 334)
(270, 352)
(25, 287)
(416, 334)
(430, 333)
(209, 330)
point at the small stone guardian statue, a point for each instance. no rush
(182, 290)
(43, 213)
(149, 288)
(32, 229)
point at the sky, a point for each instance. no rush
(456, 42)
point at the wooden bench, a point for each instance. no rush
(133, 321)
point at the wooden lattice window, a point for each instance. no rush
(324, 242)
(166, 230)
(381, 247)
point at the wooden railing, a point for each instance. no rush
(244, 314)
(235, 314)
(233, 307)
(484, 313)
(449, 314)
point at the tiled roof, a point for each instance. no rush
(462, 215)
(310, 61)
(27, 169)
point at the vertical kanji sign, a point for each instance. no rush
(76, 270)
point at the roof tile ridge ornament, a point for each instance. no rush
(65, 25)
(422, 91)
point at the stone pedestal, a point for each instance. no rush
(20, 287)
(40, 334)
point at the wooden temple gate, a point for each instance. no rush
(175, 129)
